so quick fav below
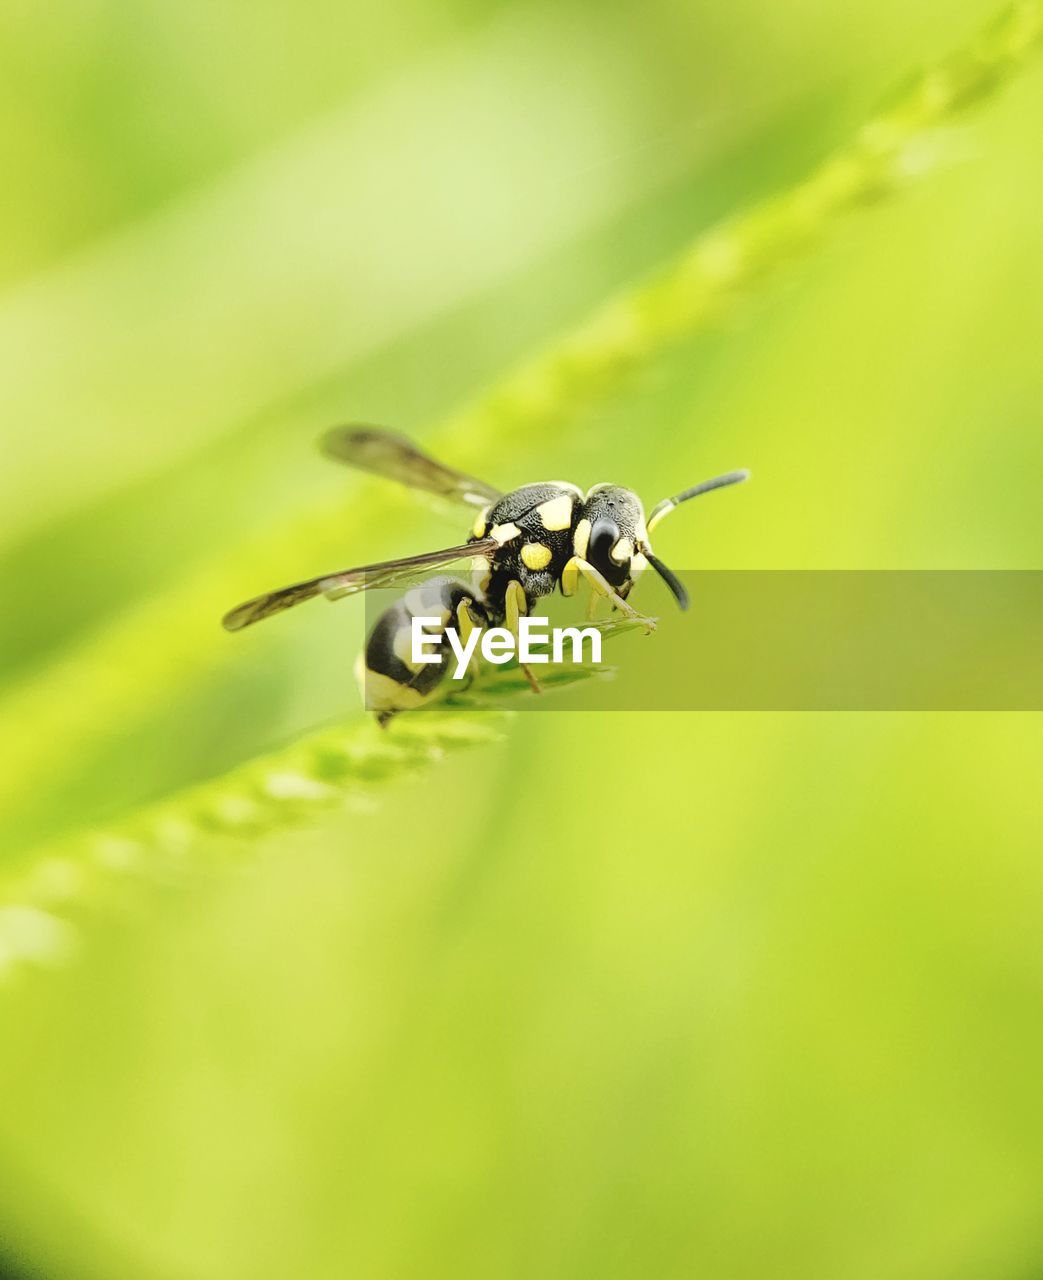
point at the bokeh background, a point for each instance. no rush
(619, 995)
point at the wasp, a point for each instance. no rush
(523, 545)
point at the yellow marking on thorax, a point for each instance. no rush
(478, 528)
(504, 532)
(556, 513)
(535, 555)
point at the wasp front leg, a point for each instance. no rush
(601, 588)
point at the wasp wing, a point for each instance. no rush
(395, 457)
(349, 582)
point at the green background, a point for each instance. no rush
(659, 995)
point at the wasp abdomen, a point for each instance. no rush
(390, 680)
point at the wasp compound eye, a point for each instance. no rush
(604, 535)
(606, 539)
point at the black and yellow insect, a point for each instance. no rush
(523, 544)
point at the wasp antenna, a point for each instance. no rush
(663, 509)
(669, 577)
